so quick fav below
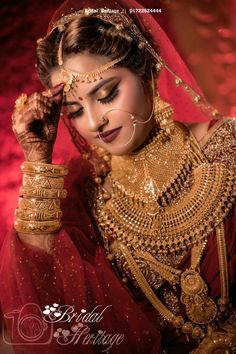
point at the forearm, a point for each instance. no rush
(38, 213)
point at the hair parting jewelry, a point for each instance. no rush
(121, 22)
(70, 77)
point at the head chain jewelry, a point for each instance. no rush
(71, 77)
(120, 21)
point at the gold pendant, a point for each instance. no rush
(200, 308)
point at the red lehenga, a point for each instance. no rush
(73, 271)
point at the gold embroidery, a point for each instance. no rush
(220, 146)
(163, 210)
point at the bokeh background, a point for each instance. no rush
(204, 31)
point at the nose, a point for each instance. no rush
(95, 121)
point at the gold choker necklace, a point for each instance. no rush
(165, 200)
(165, 196)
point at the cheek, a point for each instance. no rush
(81, 126)
(132, 97)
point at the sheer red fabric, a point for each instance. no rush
(185, 110)
(78, 274)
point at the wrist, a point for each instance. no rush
(42, 188)
(39, 159)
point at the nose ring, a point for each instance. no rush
(104, 119)
(133, 119)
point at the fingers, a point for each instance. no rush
(39, 103)
(37, 107)
(55, 93)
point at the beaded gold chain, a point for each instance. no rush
(165, 200)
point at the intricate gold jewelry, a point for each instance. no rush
(223, 265)
(200, 308)
(39, 204)
(43, 193)
(177, 321)
(121, 22)
(37, 181)
(38, 209)
(117, 19)
(218, 341)
(219, 144)
(20, 102)
(166, 199)
(37, 227)
(31, 215)
(163, 115)
(70, 77)
(44, 169)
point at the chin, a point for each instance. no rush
(119, 151)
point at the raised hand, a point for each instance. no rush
(35, 121)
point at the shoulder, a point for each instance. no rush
(219, 144)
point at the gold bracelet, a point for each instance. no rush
(44, 169)
(43, 193)
(38, 181)
(37, 215)
(39, 204)
(37, 227)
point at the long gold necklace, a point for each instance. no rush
(165, 200)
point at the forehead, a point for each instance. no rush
(85, 63)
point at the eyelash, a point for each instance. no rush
(112, 95)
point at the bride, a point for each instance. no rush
(136, 253)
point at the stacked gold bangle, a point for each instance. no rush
(38, 209)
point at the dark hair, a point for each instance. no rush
(88, 34)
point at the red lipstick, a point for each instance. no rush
(109, 135)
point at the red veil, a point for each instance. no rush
(185, 97)
(76, 272)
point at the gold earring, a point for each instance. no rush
(163, 115)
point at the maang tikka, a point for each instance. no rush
(71, 77)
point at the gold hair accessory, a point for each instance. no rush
(116, 18)
(20, 102)
(70, 77)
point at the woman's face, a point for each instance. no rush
(104, 111)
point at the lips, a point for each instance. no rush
(109, 135)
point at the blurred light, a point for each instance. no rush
(194, 58)
(225, 46)
(233, 111)
(225, 32)
(205, 32)
(202, 17)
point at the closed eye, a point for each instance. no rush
(105, 100)
(113, 93)
(73, 115)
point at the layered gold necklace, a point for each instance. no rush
(165, 200)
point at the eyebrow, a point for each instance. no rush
(92, 92)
